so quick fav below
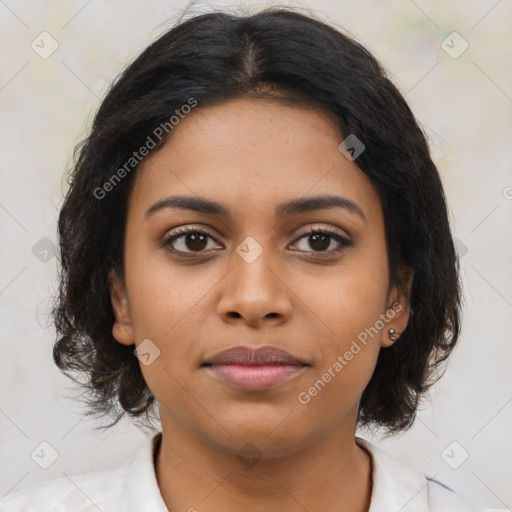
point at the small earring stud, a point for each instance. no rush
(392, 333)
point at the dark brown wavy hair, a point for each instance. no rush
(283, 55)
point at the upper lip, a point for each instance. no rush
(249, 356)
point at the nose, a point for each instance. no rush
(254, 292)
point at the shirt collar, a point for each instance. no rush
(395, 487)
(141, 483)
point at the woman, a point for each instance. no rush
(255, 248)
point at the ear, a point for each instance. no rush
(398, 308)
(122, 328)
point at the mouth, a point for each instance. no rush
(255, 377)
(247, 369)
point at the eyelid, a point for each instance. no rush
(302, 231)
(186, 228)
(317, 227)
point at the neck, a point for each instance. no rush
(331, 474)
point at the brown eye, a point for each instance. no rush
(188, 240)
(319, 240)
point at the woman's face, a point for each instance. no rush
(255, 277)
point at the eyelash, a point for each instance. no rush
(180, 232)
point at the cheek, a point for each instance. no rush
(349, 303)
(348, 352)
(346, 302)
(162, 294)
(167, 307)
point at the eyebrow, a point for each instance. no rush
(287, 208)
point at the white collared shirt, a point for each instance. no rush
(130, 485)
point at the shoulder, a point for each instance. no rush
(443, 499)
(128, 485)
(88, 491)
(399, 487)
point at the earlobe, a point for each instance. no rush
(399, 311)
(122, 328)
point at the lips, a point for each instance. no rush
(259, 369)
(247, 356)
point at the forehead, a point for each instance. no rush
(251, 155)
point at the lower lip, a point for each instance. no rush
(255, 378)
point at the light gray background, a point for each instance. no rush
(464, 104)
